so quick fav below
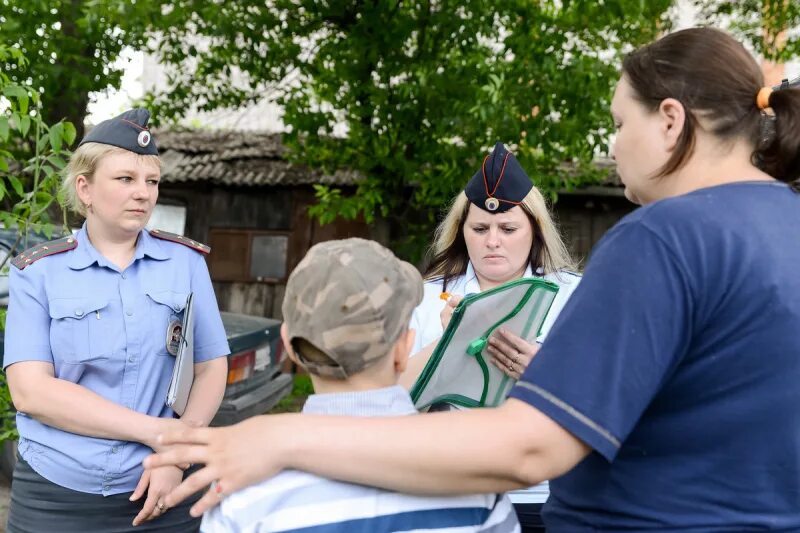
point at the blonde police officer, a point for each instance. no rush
(88, 353)
(497, 230)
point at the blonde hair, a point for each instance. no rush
(449, 250)
(84, 162)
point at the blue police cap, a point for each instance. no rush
(500, 184)
(128, 130)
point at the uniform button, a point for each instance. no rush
(106, 488)
(132, 358)
(79, 312)
(115, 449)
(129, 312)
(124, 276)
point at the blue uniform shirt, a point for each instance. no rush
(678, 361)
(106, 330)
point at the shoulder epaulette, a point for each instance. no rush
(180, 239)
(31, 255)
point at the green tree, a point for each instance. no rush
(31, 156)
(72, 47)
(765, 24)
(420, 89)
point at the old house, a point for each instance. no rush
(235, 191)
(586, 213)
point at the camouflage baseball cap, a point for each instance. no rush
(351, 299)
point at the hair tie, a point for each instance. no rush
(762, 98)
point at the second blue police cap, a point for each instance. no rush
(500, 183)
(128, 130)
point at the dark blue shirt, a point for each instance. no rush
(677, 360)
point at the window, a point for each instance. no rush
(166, 217)
(248, 255)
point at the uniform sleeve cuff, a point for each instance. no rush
(577, 423)
(9, 359)
(212, 351)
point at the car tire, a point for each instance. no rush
(8, 460)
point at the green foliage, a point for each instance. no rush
(31, 156)
(769, 26)
(293, 403)
(411, 94)
(72, 47)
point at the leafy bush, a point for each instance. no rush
(32, 155)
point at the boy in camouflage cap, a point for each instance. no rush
(347, 304)
(346, 313)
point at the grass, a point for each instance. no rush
(293, 403)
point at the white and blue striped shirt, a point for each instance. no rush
(299, 502)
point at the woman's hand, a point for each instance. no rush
(226, 452)
(510, 353)
(447, 312)
(157, 482)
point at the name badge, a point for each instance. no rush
(174, 336)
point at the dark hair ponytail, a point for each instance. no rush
(711, 74)
(779, 156)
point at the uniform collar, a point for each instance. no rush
(471, 284)
(85, 255)
(149, 246)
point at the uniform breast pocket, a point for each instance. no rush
(166, 309)
(72, 337)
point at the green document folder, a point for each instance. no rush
(459, 371)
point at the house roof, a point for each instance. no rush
(253, 159)
(236, 158)
(609, 186)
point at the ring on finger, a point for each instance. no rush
(161, 506)
(217, 489)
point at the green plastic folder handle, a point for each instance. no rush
(477, 346)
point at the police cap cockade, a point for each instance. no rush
(128, 130)
(500, 183)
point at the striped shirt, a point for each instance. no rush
(300, 502)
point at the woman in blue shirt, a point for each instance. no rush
(665, 397)
(89, 348)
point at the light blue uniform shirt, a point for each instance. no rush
(106, 329)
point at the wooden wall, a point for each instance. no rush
(263, 208)
(584, 218)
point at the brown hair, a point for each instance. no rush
(449, 249)
(717, 80)
(308, 352)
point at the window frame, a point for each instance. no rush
(250, 234)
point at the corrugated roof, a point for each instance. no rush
(255, 159)
(235, 158)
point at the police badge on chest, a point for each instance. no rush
(174, 335)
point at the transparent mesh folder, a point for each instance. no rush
(459, 371)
